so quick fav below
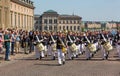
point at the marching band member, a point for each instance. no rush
(103, 40)
(37, 39)
(60, 45)
(49, 44)
(77, 42)
(70, 41)
(82, 46)
(86, 42)
(95, 41)
(53, 38)
(45, 43)
(117, 39)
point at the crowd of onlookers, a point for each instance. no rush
(12, 40)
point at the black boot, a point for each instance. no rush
(76, 56)
(53, 58)
(72, 58)
(63, 62)
(40, 57)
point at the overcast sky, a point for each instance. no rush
(89, 10)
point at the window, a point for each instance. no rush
(11, 18)
(71, 22)
(60, 22)
(55, 21)
(74, 22)
(25, 21)
(63, 27)
(15, 19)
(40, 28)
(45, 28)
(50, 27)
(55, 27)
(0, 16)
(78, 28)
(60, 27)
(22, 20)
(67, 22)
(70, 27)
(15, 7)
(6, 17)
(63, 22)
(11, 5)
(19, 19)
(67, 27)
(74, 27)
(50, 21)
(45, 21)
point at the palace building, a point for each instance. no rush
(52, 21)
(16, 14)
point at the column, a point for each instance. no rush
(16, 21)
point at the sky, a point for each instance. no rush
(89, 10)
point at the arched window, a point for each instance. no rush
(74, 27)
(67, 28)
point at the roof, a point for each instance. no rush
(74, 17)
(50, 11)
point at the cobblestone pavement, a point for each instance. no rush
(77, 67)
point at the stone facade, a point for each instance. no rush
(4, 13)
(18, 14)
(52, 21)
(93, 25)
(111, 25)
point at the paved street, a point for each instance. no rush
(46, 67)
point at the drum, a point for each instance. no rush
(54, 47)
(107, 46)
(40, 46)
(73, 47)
(92, 47)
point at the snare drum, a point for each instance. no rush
(73, 47)
(54, 47)
(40, 46)
(107, 46)
(92, 47)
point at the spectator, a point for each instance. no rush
(7, 45)
(17, 42)
(12, 42)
